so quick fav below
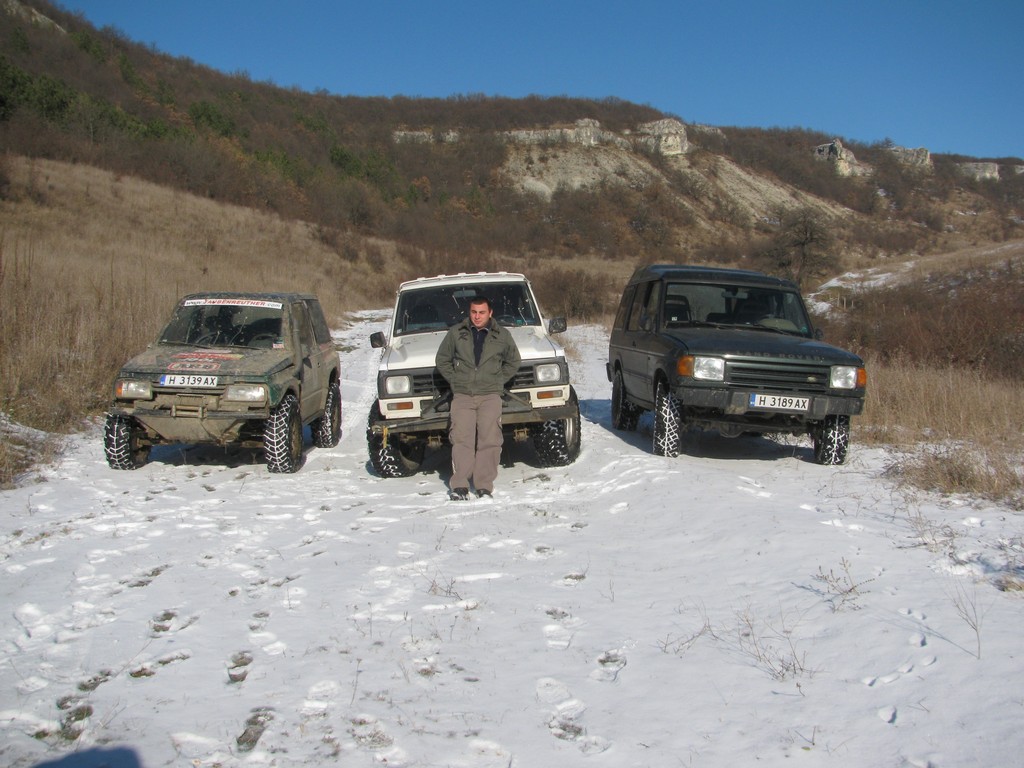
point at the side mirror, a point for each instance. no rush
(819, 334)
(377, 340)
(646, 323)
(557, 325)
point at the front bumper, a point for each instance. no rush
(195, 424)
(716, 407)
(516, 410)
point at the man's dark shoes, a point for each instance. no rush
(458, 494)
(483, 493)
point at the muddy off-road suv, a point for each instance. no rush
(413, 399)
(729, 350)
(250, 369)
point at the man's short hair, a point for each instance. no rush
(478, 299)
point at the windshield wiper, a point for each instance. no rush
(696, 324)
(770, 329)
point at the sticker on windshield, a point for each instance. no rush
(211, 302)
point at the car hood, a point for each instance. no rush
(419, 350)
(179, 358)
(735, 342)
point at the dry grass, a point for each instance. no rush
(913, 402)
(964, 260)
(962, 433)
(91, 265)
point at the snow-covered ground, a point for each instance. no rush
(738, 605)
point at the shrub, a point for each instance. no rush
(207, 115)
(973, 320)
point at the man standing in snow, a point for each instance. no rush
(477, 358)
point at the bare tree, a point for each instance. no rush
(803, 245)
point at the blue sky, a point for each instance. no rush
(937, 74)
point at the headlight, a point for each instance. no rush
(709, 368)
(246, 393)
(548, 373)
(847, 377)
(704, 368)
(398, 385)
(132, 389)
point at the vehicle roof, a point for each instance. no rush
(464, 277)
(707, 274)
(283, 296)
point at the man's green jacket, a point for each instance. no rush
(499, 360)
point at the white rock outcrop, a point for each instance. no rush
(15, 8)
(842, 159)
(585, 132)
(918, 158)
(980, 171)
(664, 137)
(424, 137)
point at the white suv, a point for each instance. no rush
(411, 410)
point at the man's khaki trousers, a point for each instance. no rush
(475, 434)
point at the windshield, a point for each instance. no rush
(688, 303)
(216, 322)
(421, 310)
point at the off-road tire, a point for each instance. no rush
(831, 440)
(327, 429)
(624, 413)
(668, 423)
(557, 441)
(392, 457)
(121, 443)
(282, 437)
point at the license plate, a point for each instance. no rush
(780, 402)
(187, 380)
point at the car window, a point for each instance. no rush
(739, 305)
(646, 294)
(320, 329)
(307, 340)
(225, 322)
(624, 305)
(653, 302)
(423, 310)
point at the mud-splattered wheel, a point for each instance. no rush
(667, 423)
(122, 443)
(389, 454)
(624, 413)
(831, 440)
(282, 437)
(327, 429)
(557, 442)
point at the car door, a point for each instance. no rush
(638, 363)
(311, 373)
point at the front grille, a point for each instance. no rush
(781, 376)
(524, 377)
(431, 383)
(428, 384)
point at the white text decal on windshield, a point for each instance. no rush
(233, 303)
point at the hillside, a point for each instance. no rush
(473, 178)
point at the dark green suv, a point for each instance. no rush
(244, 368)
(729, 350)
